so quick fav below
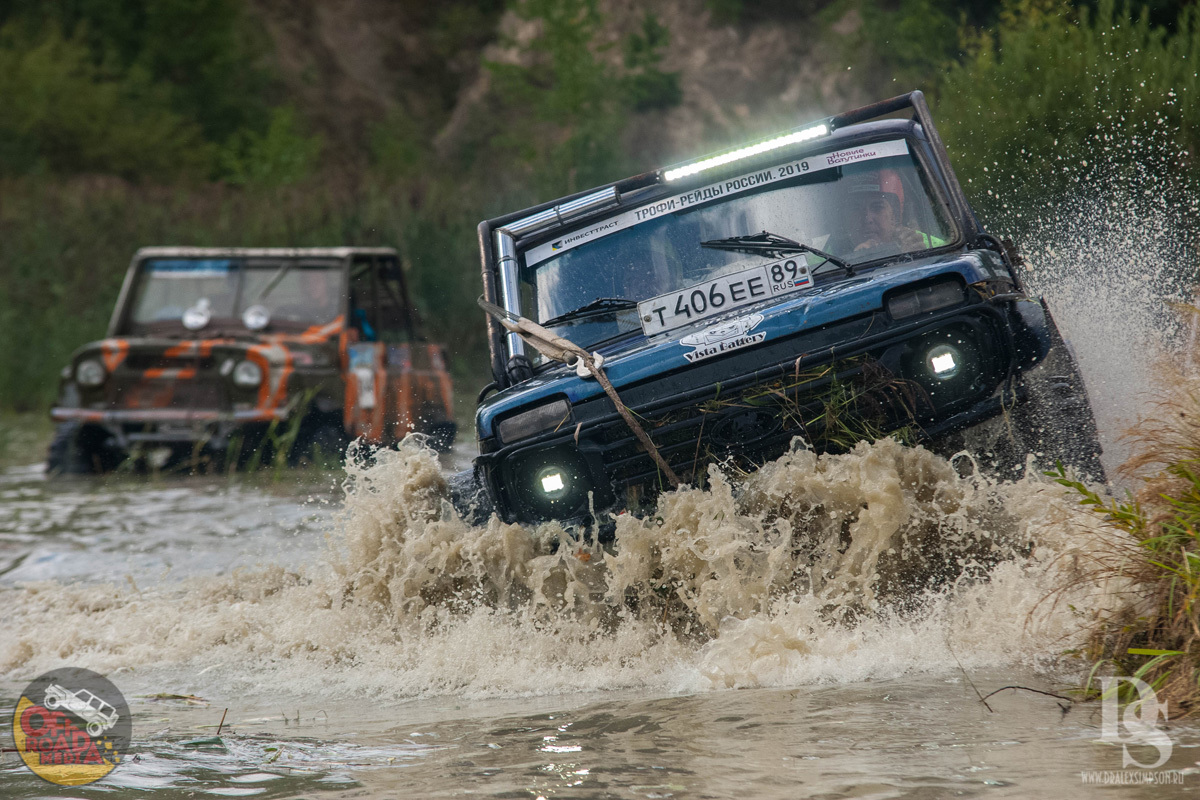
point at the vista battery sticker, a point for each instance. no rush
(722, 294)
(732, 335)
(703, 194)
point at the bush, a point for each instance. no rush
(1055, 91)
(65, 114)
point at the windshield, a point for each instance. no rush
(855, 210)
(293, 293)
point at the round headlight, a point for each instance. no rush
(944, 362)
(247, 374)
(90, 373)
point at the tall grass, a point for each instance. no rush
(1156, 635)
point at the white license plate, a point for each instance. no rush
(717, 296)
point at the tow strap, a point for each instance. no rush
(559, 349)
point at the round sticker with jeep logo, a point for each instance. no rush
(71, 726)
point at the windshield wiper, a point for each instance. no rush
(595, 307)
(271, 284)
(768, 244)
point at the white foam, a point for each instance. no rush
(805, 573)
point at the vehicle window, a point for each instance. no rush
(306, 293)
(293, 292)
(858, 212)
(395, 315)
(169, 287)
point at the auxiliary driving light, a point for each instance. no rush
(758, 148)
(944, 362)
(951, 367)
(552, 482)
(247, 374)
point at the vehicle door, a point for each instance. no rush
(400, 380)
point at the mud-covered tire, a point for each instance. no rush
(470, 497)
(78, 449)
(1056, 420)
(319, 442)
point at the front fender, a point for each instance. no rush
(1035, 333)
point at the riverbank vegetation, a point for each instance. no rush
(1155, 635)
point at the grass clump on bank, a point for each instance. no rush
(1156, 635)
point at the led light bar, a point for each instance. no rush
(746, 152)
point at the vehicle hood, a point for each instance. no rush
(639, 358)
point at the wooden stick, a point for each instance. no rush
(637, 429)
(560, 349)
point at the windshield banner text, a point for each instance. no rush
(703, 194)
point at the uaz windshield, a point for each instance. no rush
(874, 207)
(293, 294)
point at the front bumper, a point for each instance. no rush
(168, 425)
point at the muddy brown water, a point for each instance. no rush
(822, 629)
(751, 640)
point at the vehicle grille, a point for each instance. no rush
(832, 399)
(831, 407)
(136, 392)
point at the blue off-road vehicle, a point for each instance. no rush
(831, 283)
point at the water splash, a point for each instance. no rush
(1111, 259)
(817, 568)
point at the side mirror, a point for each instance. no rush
(519, 369)
(1010, 253)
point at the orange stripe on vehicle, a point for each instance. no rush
(113, 352)
(276, 363)
(313, 335)
(255, 354)
(281, 389)
(182, 373)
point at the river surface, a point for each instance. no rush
(823, 628)
(365, 643)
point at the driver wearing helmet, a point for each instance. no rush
(878, 200)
